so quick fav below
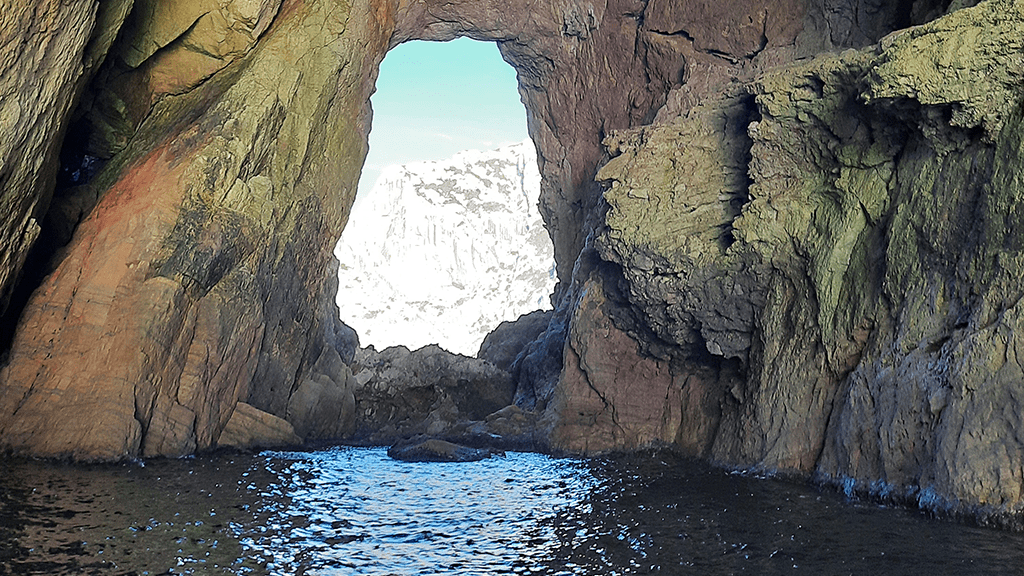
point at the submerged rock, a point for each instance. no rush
(435, 450)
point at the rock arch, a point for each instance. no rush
(233, 139)
(198, 284)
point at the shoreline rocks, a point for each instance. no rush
(426, 449)
(401, 393)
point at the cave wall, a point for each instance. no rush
(49, 51)
(785, 235)
(204, 275)
(827, 259)
(230, 136)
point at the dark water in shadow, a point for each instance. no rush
(355, 511)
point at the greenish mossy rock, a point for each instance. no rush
(202, 278)
(877, 255)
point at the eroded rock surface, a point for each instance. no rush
(786, 231)
(859, 273)
(48, 51)
(506, 342)
(204, 275)
(401, 393)
(250, 428)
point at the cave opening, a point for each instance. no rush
(445, 240)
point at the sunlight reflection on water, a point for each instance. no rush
(355, 511)
(359, 511)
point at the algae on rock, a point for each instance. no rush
(878, 251)
(169, 307)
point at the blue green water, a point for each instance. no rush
(355, 511)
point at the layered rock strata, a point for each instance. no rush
(48, 52)
(801, 253)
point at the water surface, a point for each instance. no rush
(355, 511)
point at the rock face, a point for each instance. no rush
(503, 345)
(400, 394)
(441, 252)
(203, 276)
(48, 51)
(250, 428)
(856, 278)
(801, 253)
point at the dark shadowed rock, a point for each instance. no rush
(323, 406)
(507, 341)
(422, 449)
(428, 391)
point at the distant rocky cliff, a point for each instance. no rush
(787, 233)
(442, 252)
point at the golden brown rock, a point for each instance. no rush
(249, 428)
(155, 323)
(48, 50)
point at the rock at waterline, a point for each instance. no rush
(435, 450)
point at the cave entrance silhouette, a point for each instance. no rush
(445, 240)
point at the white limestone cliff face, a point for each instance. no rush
(442, 252)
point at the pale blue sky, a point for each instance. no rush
(434, 99)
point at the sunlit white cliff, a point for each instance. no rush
(441, 252)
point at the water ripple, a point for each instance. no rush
(355, 511)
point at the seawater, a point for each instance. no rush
(355, 511)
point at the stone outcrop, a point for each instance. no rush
(400, 394)
(787, 232)
(250, 428)
(504, 344)
(855, 279)
(433, 450)
(48, 52)
(323, 406)
(608, 396)
(204, 274)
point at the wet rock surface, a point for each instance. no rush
(423, 449)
